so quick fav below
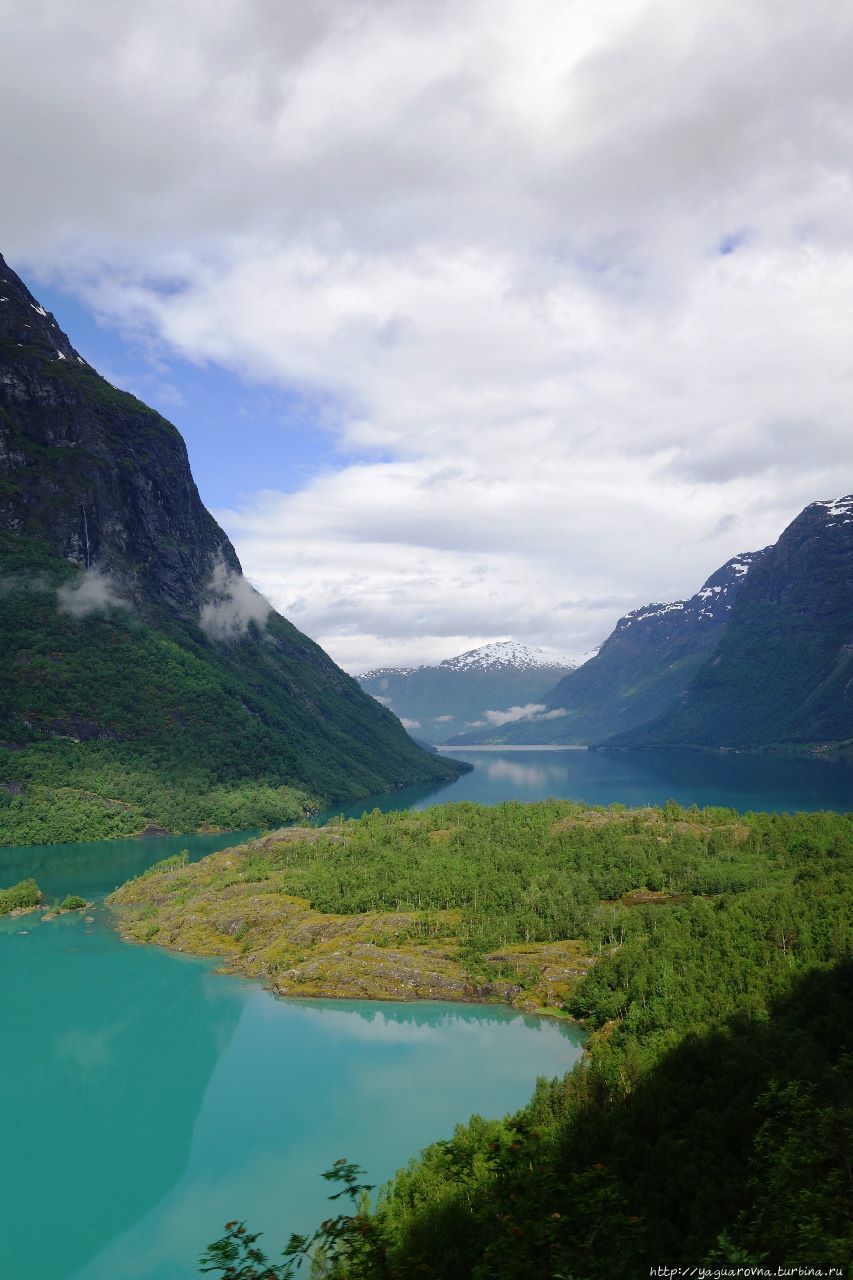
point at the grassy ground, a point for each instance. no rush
(235, 905)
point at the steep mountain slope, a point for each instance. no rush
(783, 671)
(642, 667)
(440, 701)
(143, 679)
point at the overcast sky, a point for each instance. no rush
(483, 319)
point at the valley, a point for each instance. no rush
(759, 659)
(364, 939)
(497, 681)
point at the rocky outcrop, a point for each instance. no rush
(92, 472)
(223, 907)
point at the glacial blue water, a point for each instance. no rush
(145, 1100)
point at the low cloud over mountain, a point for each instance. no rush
(561, 291)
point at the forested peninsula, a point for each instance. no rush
(707, 952)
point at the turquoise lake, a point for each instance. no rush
(644, 777)
(146, 1100)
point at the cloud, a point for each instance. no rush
(233, 605)
(442, 719)
(409, 724)
(528, 712)
(532, 711)
(566, 286)
(91, 592)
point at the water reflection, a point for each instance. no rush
(386, 1019)
(508, 772)
(94, 868)
(108, 1051)
(301, 1084)
(651, 777)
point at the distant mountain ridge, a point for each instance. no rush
(437, 701)
(510, 655)
(782, 674)
(144, 680)
(649, 658)
(761, 657)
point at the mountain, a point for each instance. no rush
(144, 680)
(644, 665)
(480, 685)
(782, 674)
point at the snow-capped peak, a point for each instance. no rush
(511, 653)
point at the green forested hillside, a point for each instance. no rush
(109, 722)
(712, 1118)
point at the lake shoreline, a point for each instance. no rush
(835, 751)
(475, 999)
(497, 746)
(234, 906)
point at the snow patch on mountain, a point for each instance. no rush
(708, 601)
(511, 653)
(499, 655)
(838, 507)
(387, 671)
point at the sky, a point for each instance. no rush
(481, 320)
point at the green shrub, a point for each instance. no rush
(24, 894)
(73, 902)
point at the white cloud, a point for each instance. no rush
(531, 711)
(91, 592)
(409, 724)
(570, 283)
(528, 712)
(232, 605)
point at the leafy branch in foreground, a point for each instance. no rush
(236, 1256)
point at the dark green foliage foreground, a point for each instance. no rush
(711, 1122)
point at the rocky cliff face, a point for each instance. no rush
(645, 663)
(92, 472)
(145, 681)
(783, 670)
